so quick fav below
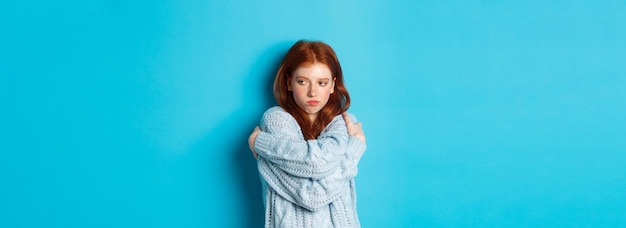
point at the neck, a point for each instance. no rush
(313, 117)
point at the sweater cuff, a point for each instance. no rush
(355, 147)
(262, 143)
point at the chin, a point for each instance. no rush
(312, 111)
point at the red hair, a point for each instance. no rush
(303, 53)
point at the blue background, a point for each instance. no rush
(477, 113)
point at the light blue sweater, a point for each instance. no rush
(307, 183)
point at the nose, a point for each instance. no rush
(312, 90)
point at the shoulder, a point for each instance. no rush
(276, 112)
(277, 116)
(275, 109)
(339, 123)
(352, 117)
(339, 118)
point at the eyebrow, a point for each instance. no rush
(305, 77)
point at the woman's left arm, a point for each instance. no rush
(280, 142)
(355, 147)
(339, 146)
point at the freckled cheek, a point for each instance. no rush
(300, 95)
(326, 91)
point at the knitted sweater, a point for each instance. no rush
(307, 183)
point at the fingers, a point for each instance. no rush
(358, 129)
(346, 118)
(251, 140)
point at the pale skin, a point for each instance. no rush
(311, 86)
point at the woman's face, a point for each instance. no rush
(311, 85)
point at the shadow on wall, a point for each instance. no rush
(258, 97)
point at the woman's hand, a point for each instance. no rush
(251, 139)
(354, 129)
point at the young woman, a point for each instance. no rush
(309, 147)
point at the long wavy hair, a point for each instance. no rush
(303, 53)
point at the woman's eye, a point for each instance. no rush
(301, 82)
(323, 83)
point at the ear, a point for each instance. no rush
(289, 83)
(332, 89)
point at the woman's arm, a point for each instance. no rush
(305, 192)
(282, 143)
(288, 181)
(356, 145)
(354, 128)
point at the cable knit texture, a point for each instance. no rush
(307, 183)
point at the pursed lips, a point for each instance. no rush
(313, 102)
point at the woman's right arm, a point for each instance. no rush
(299, 186)
(309, 193)
(281, 143)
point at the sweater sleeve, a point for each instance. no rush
(309, 173)
(309, 193)
(305, 192)
(354, 150)
(282, 144)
